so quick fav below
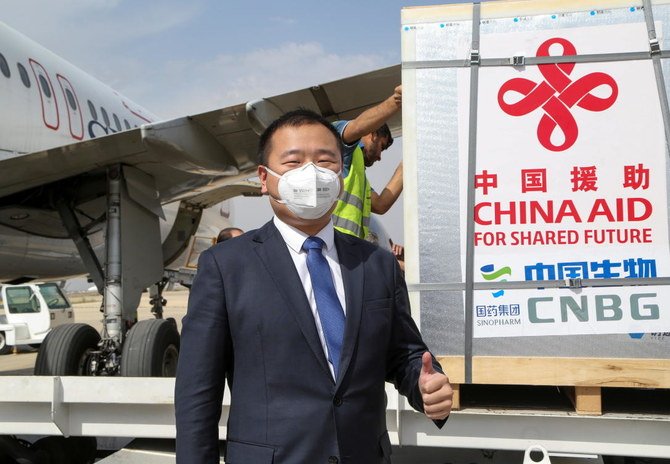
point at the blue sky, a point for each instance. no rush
(177, 58)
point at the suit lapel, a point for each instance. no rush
(351, 264)
(273, 252)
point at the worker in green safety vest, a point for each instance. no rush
(365, 138)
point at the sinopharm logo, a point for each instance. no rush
(490, 273)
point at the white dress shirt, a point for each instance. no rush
(294, 240)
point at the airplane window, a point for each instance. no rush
(105, 117)
(4, 67)
(116, 122)
(91, 108)
(24, 75)
(127, 124)
(71, 100)
(45, 86)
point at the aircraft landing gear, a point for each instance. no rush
(151, 349)
(69, 349)
(157, 301)
(134, 262)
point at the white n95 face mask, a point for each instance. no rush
(308, 191)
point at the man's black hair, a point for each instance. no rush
(227, 233)
(295, 118)
(384, 131)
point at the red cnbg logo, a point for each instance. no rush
(556, 95)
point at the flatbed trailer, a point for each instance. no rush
(144, 408)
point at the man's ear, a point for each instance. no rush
(263, 177)
(373, 137)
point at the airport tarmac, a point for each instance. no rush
(87, 310)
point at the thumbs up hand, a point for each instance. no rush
(435, 390)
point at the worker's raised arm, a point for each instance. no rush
(373, 118)
(383, 201)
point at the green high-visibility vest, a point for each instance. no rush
(352, 213)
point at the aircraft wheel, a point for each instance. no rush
(151, 349)
(4, 348)
(66, 350)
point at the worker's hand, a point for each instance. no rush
(435, 390)
(397, 250)
(397, 96)
(399, 253)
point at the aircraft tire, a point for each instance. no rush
(4, 348)
(151, 349)
(65, 350)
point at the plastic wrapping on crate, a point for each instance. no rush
(441, 181)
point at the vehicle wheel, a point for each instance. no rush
(66, 350)
(151, 349)
(55, 447)
(4, 348)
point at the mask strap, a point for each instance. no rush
(272, 172)
(281, 202)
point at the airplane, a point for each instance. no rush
(93, 183)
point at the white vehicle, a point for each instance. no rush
(29, 312)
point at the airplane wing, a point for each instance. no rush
(191, 155)
(245, 188)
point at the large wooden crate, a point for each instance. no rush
(536, 221)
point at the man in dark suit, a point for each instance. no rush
(305, 335)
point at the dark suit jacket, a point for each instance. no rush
(249, 322)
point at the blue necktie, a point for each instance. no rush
(327, 304)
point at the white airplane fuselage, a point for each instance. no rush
(46, 102)
(59, 105)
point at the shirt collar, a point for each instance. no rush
(294, 238)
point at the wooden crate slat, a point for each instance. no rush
(593, 372)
